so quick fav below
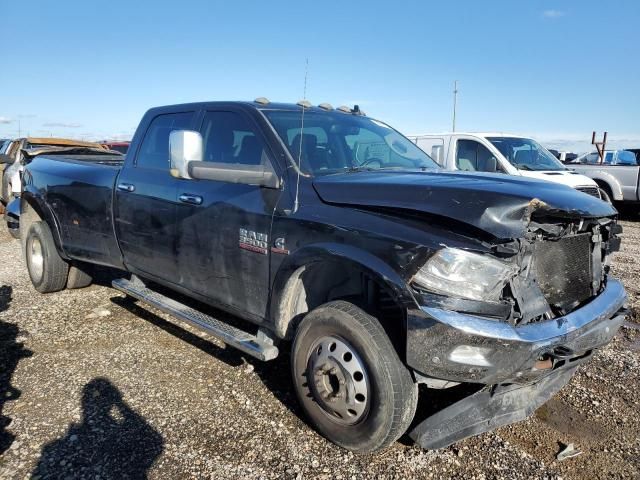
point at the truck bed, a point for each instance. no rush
(80, 194)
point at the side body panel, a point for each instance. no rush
(79, 196)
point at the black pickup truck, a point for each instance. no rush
(328, 228)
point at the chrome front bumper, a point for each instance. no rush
(465, 348)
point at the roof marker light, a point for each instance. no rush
(344, 109)
(304, 104)
(262, 100)
(326, 106)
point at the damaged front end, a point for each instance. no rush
(557, 306)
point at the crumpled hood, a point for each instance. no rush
(501, 205)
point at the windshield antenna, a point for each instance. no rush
(303, 105)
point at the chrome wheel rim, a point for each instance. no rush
(36, 259)
(338, 380)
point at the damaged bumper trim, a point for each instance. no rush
(467, 348)
(604, 306)
(490, 408)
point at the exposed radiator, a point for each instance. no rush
(564, 269)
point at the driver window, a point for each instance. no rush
(227, 137)
(472, 156)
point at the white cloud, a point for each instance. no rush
(120, 137)
(579, 143)
(553, 14)
(62, 125)
(5, 120)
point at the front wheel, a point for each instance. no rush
(350, 380)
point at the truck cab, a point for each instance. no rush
(501, 153)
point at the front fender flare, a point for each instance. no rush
(309, 255)
(611, 181)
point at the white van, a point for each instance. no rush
(498, 152)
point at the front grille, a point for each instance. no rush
(563, 269)
(593, 191)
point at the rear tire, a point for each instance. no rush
(79, 276)
(47, 270)
(350, 380)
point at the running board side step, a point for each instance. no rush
(234, 337)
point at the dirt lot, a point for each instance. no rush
(94, 386)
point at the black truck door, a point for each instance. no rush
(223, 228)
(146, 202)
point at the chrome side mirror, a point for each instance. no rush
(184, 146)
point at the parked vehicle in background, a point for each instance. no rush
(121, 147)
(500, 153)
(617, 174)
(564, 156)
(17, 155)
(331, 229)
(635, 151)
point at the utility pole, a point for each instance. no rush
(600, 146)
(455, 99)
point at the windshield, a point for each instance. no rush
(526, 154)
(334, 141)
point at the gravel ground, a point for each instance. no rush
(94, 386)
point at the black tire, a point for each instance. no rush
(391, 395)
(47, 270)
(605, 196)
(5, 192)
(79, 276)
(14, 232)
(605, 192)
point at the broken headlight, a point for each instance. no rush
(464, 274)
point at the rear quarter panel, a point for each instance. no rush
(80, 196)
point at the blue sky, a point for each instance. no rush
(553, 69)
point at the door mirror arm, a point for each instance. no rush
(235, 173)
(186, 156)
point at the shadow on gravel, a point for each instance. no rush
(230, 356)
(11, 352)
(630, 213)
(112, 442)
(275, 374)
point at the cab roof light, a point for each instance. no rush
(326, 106)
(304, 104)
(355, 110)
(262, 101)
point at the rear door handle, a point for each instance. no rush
(126, 187)
(192, 199)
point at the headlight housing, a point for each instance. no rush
(463, 274)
